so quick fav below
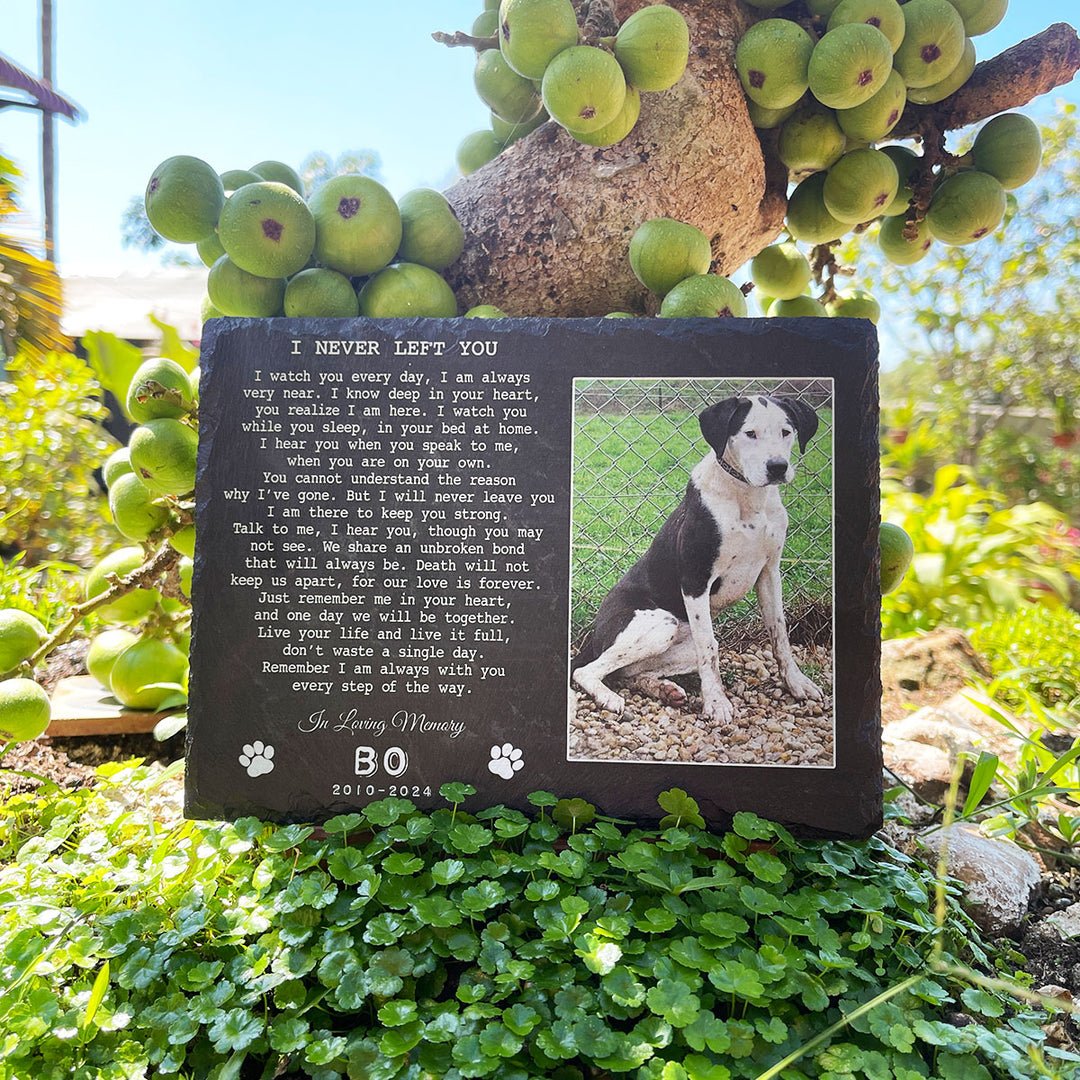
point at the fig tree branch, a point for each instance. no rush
(157, 390)
(141, 577)
(459, 38)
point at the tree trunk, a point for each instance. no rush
(549, 221)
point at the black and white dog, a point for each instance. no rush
(724, 539)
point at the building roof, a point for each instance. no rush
(42, 94)
(122, 304)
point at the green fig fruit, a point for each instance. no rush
(503, 90)
(895, 244)
(933, 42)
(781, 270)
(486, 25)
(766, 119)
(140, 405)
(798, 307)
(619, 128)
(430, 231)
(772, 60)
(1009, 148)
(704, 296)
(860, 185)
(584, 88)
(407, 289)
(485, 311)
(232, 179)
(24, 710)
(886, 15)
(183, 199)
(141, 667)
(877, 116)
(532, 32)
(20, 635)
(477, 149)
(849, 65)
(163, 456)
(357, 225)
(939, 91)
(279, 173)
(808, 218)
(510, 133)
(267, 229)
(127, 607)
(664, 251)
(318, 293)
(980, 16)
(134, 512)
(810, 139)
(907, 164)
(857, 304)
(233, 291)
(184, 541)
(210, 249)
(653, 47)
(966, 207)
(116, 464)
(897, 552)
(104, 649)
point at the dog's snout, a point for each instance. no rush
(776, 469)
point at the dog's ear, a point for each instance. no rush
(720, 421)
(802, 416)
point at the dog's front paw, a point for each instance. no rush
(717, 707)
(801, 687)
(603, 695)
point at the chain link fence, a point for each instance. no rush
(635, 444)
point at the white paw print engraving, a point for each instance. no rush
(257, 758)
(505, 760)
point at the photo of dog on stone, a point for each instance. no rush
(723, 541)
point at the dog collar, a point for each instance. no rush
(732, 471)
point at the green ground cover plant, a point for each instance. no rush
(631, 470)
(401, 944)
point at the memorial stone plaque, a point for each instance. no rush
(440, 550)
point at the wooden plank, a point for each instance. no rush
(82, 706)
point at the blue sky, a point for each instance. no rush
(235, 83)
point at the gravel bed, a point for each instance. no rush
(770, 727)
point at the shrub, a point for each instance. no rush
(51, 441)
(975, 557)
(1034, 652)
(409, 945)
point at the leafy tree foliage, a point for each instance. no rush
(30, 301)
(995, 326)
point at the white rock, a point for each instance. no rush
(999, 878)
(1065, 923)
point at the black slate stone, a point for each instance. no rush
(315, 772)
